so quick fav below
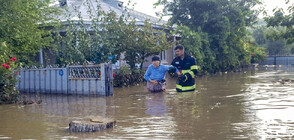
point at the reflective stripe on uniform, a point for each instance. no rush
(192, 74)
(188, 71)
(185, 71)
(186, 87)
(194, 67)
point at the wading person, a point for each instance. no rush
(155, 75)
(187, 66)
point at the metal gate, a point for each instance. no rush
(77, 79)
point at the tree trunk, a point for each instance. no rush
(142, 62)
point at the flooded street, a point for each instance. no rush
(244, 105)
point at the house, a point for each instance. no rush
(82, 6)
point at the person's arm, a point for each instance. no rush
(177, 70)
(194, 66)
(171, 69)
(192, 71)
(147, 74)
(147, 77)
(178, 73)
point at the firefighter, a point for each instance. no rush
(188, 69)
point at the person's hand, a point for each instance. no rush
(172, 71)
(154, 82)
(183, 78)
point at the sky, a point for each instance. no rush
(146, 6)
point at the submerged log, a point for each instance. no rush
(92, 125)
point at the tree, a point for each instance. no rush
(280, 19)
(8, 65)
(147, 42)
(277, 47)
(268, 37)
(24, 26)
(225, 23)
(134, 41)
(196, 45)
(259, 36)
(110, 35)
(83, 42)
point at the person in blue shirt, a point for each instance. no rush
(155, 75)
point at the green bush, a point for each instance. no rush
(8, 92)
(126, 77)
(258, 54)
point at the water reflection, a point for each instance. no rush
(244, 105)
(271, 99)
(155, 104)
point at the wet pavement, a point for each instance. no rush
(255, 104)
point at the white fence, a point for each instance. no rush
(78, 79)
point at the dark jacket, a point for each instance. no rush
(188, 67)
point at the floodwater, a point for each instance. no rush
(244, 105)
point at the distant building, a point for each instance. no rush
(82, 6)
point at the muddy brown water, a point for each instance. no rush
(245, 105)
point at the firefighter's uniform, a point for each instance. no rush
(188, 68)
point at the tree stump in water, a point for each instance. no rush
(92, 125)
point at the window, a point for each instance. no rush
(163, 57)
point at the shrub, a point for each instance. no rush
(8, 73)
(126, 77)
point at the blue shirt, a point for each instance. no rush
(158, 73)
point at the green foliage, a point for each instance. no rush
(78, 44)
(196, 45)
(8, 93)
(222, 26)
(285, 20)
(111, 35)
(142, 42)
(124, 70)
(23, 26)
(258, 54)
(128, 79)
(259, 36)
(269, 38)
(277, 47)
(136, 42)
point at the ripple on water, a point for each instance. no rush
(272, 100)
(155, 127)
(4, 138)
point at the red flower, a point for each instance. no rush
(8, 63)
(5, 66)
(113, 74)
(13, 59)
(99, 74)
